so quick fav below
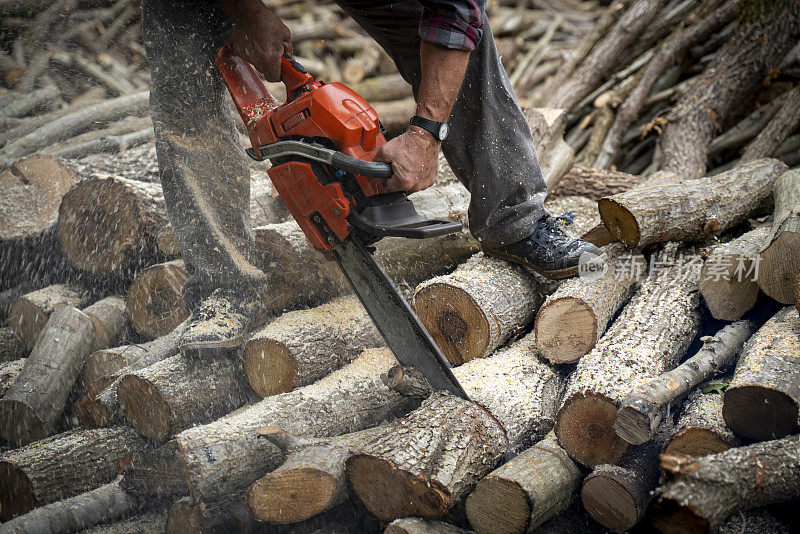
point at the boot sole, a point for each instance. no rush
(552, 274)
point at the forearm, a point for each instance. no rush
(442, 74)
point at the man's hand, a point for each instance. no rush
(414, 156)
(259, 36)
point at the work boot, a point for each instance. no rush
(223, 321)
(549, 250)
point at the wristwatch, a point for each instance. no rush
(439, 130)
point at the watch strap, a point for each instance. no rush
(434, 127)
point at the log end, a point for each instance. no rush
(565, 345)
(20, 424)
(270, 367)
(585, 429)
(155, 302)
(101, 364)
(291, 495)
(632, 425)
(145, 408)
(619, 221)
(728, 300)
(498, 505)
(88, 411)
(27, 320)
(696, 442)
(16, 492)
(454, 320)
(390, 493)
(609, 503)
(780, 262)
(759, 413)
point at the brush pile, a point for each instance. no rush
(659, 388)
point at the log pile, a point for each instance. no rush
(659, 388)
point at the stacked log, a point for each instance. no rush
(11, 346)
(30, 312)
(9, 372)
(155, 302)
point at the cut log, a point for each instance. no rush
(737, 69)
(155, 302)
(110, 318)
(753, 521)
(311, 480)
(9, 371)
(763, 399)
(643, 410)
(32, 191)
(30, 312)
(143, 523)
(223, 458)
(692, 210)
(587, 304)
(181, 391)
(65, 465)
(593, 183)
(422, 464)
(648, 338)
(386, 87)
(555, 156)
(699, 493)
(728, 281)
(11, 346)
(100, 505)
(394, 115)
(585, 213)
(616, 496)
(417, 525)
(302, 346)
(700, 429)
(475, 309)
(780, 258)
(784, 122)
(108, 225)
(525, 492)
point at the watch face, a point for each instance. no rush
(443, 132)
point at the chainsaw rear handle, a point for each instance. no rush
(337, 160)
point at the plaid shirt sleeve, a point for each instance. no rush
(452, 23)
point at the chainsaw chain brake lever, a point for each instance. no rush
(334, 158)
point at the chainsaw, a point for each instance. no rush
(321, 143)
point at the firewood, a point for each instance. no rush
(779, 128)
(150, 522)
(100, 505)
(555, 156)
(587, 304)
(224, 457)
(522, 494)
(648, 214)
(616, 496)
(394, 115)
(113, 140)
(422, 464)
(108, 225)
(700, 429)
(361, 65)
(735, 72)
(11, 346)
(386, 87)
(780, 258)
(645, 407)
(728, 279)
(648, 338)
(797, 291)
(594, 183)
(302, 346)
(310, 481)
(29, 103)
(30, 312)
(181, 391)
(65, 465)
(699, 493)
(417, 525)
(475, 309)
(759, 520)
(31, 408)
(584, 209)
(9, 371)
(763, 399)
(155, 302)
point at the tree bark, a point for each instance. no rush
(9, 371)
(417, 525)
(587, 304)
(762, 401)
(30, 313)
(780, 258)
(700, 429)
(522, 494)
(422, 464)
(594, 183)
(784, 122)
(108, 225)
(65, 465)
(103, 504)
(648, 338)
(699, 493)
(155, 302)
(555, 156)
(735, 72)
(475, 309)
(181, 391)
(11, 346)
(728, 279)
(303, 346)
(642, 411)
(690, 210)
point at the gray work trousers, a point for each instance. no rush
(205, 175)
